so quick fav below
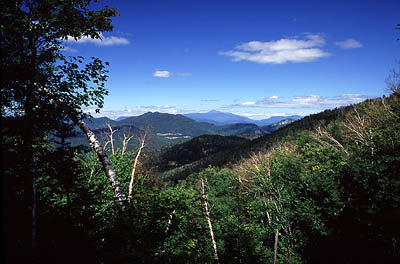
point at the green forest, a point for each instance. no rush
(323, 189)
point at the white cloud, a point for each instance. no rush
(69, 49)
(349, 44)
(280, 51)
(210, 100)
(103, 41)
(248, 103)
(115, 113)
(274, 97)
(259, 116)
(167, 74)
(162, 74)
(306, 101)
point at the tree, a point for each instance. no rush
(39, 84)
(206, 206)
(393, 80)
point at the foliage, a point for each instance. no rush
(193, 150)
(333, 188)
(42, 90)
(324, 189)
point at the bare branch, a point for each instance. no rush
(357, 125)
(142, 144)
(110, 135)
(320, 133)
(125, 141)
(393, 80)
(170, 220)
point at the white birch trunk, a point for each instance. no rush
(207, 213)
(170, 220)
(111, 137)
(134, 167)
(107, 167)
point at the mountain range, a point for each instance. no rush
(169, 128)
(202, 152)
(221, 118)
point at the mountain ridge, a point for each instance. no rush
(219, 118)
(163, 128)
(223, 118)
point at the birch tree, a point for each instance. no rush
(142, 140)
(109, 138)
(206, 208)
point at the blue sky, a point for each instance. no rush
(253, 58)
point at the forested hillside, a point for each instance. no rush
(322, 189)
(164, 129)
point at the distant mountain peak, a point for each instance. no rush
(221, 118)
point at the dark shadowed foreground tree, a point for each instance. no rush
(42, 89)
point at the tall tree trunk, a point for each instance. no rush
(276, 245)
(142, 141)
(170, 220)
(34, 213)
(107, 167)
(207, 214)
(29, 139)
(30, 184)
(289, 245)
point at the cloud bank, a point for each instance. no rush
(305, 101)
(115, 113)
(280, 51)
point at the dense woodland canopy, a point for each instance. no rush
(324, 189)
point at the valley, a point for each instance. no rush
(164, 129)
(200, 132)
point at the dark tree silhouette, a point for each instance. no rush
(42, 88)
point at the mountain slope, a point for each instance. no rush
(221, 118)
(100, 122)
(240, 129)
(166, 123)
(275, 126)
(218, 118)
(165, 129)
(121, 118)
(264, 142)
(193, 150)
(276, 119)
